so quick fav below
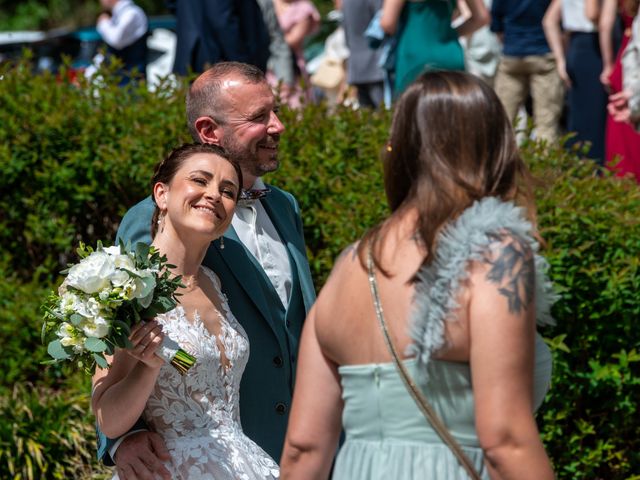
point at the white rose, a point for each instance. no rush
(92, 274)
(120, 260)
(96, 327)
(119, 278)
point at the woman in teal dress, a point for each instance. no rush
(462, 287)
(426, 39)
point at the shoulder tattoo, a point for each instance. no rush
(513, 272)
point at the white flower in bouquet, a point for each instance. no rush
(103, 296)
(97, 327)
(93, 273)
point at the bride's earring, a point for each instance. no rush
(161, 222)
(221, 243)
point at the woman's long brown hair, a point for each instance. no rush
(451, 144)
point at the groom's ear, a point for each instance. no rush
(209, 131)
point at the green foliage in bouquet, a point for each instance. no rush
(72, 163)
(105, 294)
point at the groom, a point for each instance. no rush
(261, 262)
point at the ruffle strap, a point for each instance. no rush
(465, 240)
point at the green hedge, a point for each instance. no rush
(72, 162)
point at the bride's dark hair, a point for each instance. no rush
(451, 144)
(167, 168)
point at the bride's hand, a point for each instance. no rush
(146, 338)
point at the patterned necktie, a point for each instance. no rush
(248, 197)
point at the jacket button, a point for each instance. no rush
(281, 408)
(277, 361)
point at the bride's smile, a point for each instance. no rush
(201, 197)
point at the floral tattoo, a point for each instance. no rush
(512, 270)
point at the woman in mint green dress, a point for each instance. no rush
(462, 287)
(426, 39)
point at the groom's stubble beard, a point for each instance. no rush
(248, 159)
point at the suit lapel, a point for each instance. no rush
(247, 272)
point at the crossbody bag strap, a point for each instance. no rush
(416, 394)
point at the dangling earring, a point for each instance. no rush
(221, 243)
(161, 221)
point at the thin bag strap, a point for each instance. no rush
(416, 394)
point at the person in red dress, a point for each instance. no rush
(622, 142)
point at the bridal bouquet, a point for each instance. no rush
(103, 296)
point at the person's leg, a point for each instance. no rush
(547, 92)
(587, 96)
(511, 84)
(370, 94)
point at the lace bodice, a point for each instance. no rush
(198, 414)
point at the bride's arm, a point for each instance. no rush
(315, 420)
(121, 392)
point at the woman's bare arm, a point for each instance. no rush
(478, 18)
(120, 393)
(502, 352)
(315, 420)
(391, 10)
(607, 20)
(551, 25)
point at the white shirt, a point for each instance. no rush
(258, 234)
(574, 17)
(127, 24)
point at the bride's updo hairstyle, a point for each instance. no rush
(451, 144)
(167, 168)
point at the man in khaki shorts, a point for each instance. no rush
(527, 66)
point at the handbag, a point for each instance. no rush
(421, 401)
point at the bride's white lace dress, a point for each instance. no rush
(198, 414)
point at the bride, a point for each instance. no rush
(195, 189)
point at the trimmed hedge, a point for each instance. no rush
(72, 162)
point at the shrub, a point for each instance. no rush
(47, 434)
(71, 163)
(592, 229)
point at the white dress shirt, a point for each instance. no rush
(127, 24)
(258, 234)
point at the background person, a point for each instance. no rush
(263, 266)
(298, 20)
(622, 142)
(527, 66)
(426, 39)
(123, 27)
(209, 32)
(579, 68)
(363, 69)
(461, 287)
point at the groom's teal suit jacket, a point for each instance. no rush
(273, 329)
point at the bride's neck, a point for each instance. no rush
(187, 257)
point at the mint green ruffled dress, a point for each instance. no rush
(387, 436)
(426, 41)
